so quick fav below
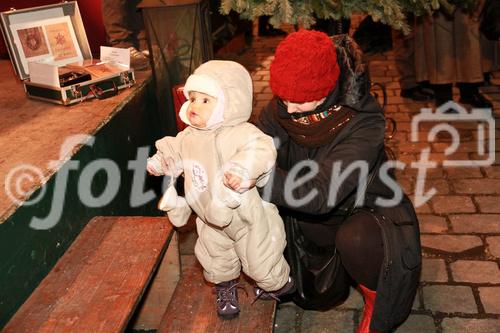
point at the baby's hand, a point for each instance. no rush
(237, 183)
(158, 166)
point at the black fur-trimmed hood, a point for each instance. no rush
(354, 81)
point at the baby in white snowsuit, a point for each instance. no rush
(222, 157)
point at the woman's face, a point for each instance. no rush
(302, 107)
(200, 108)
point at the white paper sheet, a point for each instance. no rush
(116, 55)
(50, 41)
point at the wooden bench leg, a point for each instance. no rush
(158, 295)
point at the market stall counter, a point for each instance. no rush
(62, 165)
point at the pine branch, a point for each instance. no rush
(306, 12)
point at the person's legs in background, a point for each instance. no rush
(443, 93)
(125, 28)
(449, 52)
(469, 94)
(404, 56)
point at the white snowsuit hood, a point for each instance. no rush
(227, 81)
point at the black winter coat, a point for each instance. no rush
(362, 138)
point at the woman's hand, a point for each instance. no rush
(237, 183)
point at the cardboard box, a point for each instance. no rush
(49, 50)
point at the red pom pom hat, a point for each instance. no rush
(305, 67)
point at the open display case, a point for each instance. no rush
(50, 53)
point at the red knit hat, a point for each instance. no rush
(305, 67)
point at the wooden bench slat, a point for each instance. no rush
(134, 265)
(41, 301)
(84, 292)
(192, 308)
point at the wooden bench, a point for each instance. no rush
(192, 308)
(117, 268)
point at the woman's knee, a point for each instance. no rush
(359, 231)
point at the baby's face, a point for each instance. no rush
(200, 108)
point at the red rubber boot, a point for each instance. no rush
(369, 297)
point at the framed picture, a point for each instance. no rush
(51, 40)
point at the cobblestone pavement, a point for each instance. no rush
(460, 225)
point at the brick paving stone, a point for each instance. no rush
(392, 92)
(475, 271)
(416, 302)
(412, 147)
(488, 204)
(328, 321)
(399, 137)
(450, 243)
(464, 147)
(403, 126)
(263, 97)
(354, 301)
(392, 85)
(391, 108)
(407, 185)
(494, 245)
(262, 84)
(392, 72)
(497, 134)
(432, 223)
(453, 172)
(449, 299)
(492, 171)
(258, 90)
(477, 186)
(440, 157)
(433, 173)
(423, 209)
(441, 185)
(452, 204)
(475, 223)
(413, 108)
(476, 157)
(378, 71)
(434, 270)
(406, 158)
(466, 325)
(286, 315)
(417, 324)
(490, 298)
(261, 72)
(384, 79)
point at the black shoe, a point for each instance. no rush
(227, 299)
(417, 94)
(288, 288)
(476, 100)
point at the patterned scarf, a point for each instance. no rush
(314, 129)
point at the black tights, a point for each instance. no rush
(359, 242)
(358, 239)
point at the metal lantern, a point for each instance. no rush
(179, 38)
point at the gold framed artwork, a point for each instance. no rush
(51, 40)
